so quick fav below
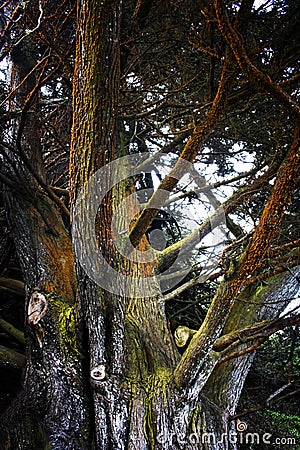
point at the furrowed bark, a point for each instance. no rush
(53, 386)
(94, 144)
(53, 382)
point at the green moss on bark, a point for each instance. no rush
(66, 324)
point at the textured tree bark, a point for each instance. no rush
(52, 411)
(103, 371)
(54, 390)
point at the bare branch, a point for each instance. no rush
(274, 397)
(240, 196)
(234, 40)
(211, 186)
(190, 151)
(284, 186)
(191, 283)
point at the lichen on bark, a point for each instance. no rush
(67, 320)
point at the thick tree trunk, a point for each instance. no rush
(53, 410)
(54, 389)
(103, 371)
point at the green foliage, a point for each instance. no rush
(284, 429)
(279, 358)
(277, 365)
(283, 424)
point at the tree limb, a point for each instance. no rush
(262, 329)
(197, 353)
(190, 151)
(10, 359)
(211, 186)
(12, 331)
(239, 197)
(189, 284)
(274, 397)
(15, 287)
(234, 40)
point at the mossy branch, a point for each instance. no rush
(12, 286)
(10, 359)
(12, 331)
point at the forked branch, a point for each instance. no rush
(201, 345)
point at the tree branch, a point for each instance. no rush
(11, 359)
(198, 351)
(274, 397)
(190, 151)
(239, 197)
(263, 329)
(189, 284)
(235, 42)
(15, 287)
(12, 331)
(211, 186)
(23, 155)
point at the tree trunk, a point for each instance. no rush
(53, 410)
(103, 371)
